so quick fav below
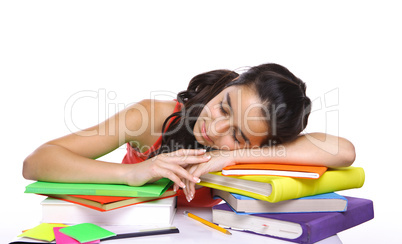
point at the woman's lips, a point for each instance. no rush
(204, 133)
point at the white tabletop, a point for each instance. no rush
(192, 231)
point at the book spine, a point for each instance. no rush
(330, 181)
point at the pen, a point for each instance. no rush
(144, 233)
(206, 222)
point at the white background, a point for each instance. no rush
(121, 51)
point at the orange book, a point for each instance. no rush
(106, 203)
(295, 171)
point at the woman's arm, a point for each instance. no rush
(309, 149)
(72, 157)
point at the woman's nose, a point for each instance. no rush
(221, 126)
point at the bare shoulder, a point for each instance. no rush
(157, 109)
(147, 118)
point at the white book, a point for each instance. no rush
(159, 212)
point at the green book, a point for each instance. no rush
(154, 189)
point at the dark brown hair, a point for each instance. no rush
(287, 110)
(288, 107)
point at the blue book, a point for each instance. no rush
(329, 202)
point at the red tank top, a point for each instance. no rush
(202, 196)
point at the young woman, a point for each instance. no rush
(221, 119)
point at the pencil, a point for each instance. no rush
(206, 222)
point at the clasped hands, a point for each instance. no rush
(184, 167)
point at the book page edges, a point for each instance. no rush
(285, 188)
(234, 190)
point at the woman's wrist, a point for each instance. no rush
(133, 174)
(224, 157)
(111, 173)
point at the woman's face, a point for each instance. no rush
(232, 120)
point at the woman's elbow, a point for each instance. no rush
(27, 169)
(348, 153)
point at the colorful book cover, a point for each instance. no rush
(298, 171)
(297, 227)
(277, 188)
(148, 190)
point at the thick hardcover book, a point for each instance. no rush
(277, 188)
(148, 190)
(303, 228)
(159, 212)
(297, 171)
(327, 202)
(107, 203)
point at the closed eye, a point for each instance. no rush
(222, 109)
(235, 129)
(234, 136)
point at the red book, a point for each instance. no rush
(106, 203)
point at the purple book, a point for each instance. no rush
(297, 227)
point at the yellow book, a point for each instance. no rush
(276, 188)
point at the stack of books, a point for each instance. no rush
(106, 204)
(288, 202)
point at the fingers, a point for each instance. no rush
(172, 166)
(187, 152)
(176, 187)
(185, 156)
(189, 190)
(177, 181)
(174, 172)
